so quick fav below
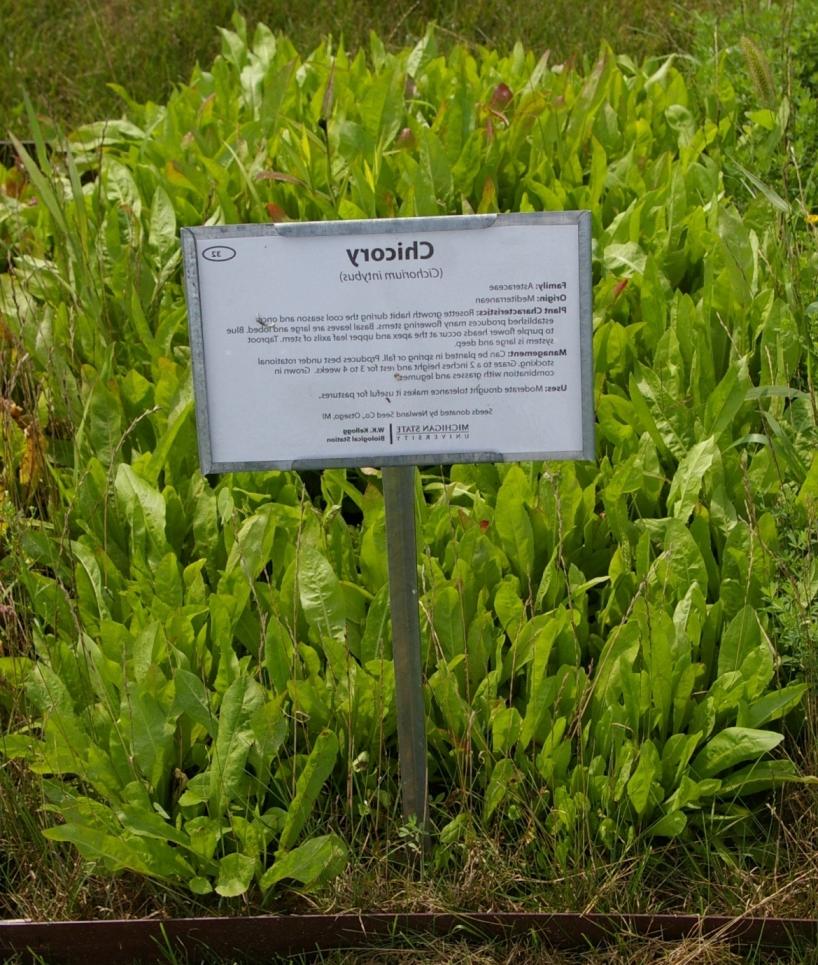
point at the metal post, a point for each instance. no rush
(401, 541)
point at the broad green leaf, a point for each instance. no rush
(539, 693)
(151, 728)
(162, 229)
(278, 654)
(503, 777)
(270, 728)
(382, 106)
(139, 820)
(311, 780)
(192, 698)
(505, 729)
(321, 596)
(233, 740)
(692, 794)
(513, 524)
(100, 432)
(144, 509)
(235, 875)
(762, 776)
(252, 549)
(617, 657)
(373, 552)
(808, 493)
(146, 856)
(676, 754)
(629, 257)
(509, 607)
(659, 660)
(455, 711)
(689, 478)
(648, 770)
(727, 399)
(732, 746)
(375, 638)
(315, 862)
(200, 886)
(89, 577)
(742, 636)
(663, 415)
(446, 611)
(670, 825)
(161, 454)
(772, 706)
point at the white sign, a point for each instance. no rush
(418, 340)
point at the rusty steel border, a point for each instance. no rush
(258, 938)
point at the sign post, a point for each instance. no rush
(393, 343)
(401, 541)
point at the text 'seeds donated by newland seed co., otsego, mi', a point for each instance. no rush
(419, 340)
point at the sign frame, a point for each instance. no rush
(214, 235)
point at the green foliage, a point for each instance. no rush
(209, 679)
(67, 55)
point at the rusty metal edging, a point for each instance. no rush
(259, 938)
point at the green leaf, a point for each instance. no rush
(15, 670)
(727, 399)
(200, 886)
(144, 509)
(503, 776)
(317, 769)
(235, 875)
(689, 478)
(506, 726)
(192, 698)
(321, 596)
(151, 732)
(670, 825)
(762, 776)
(629, 257)
(662, 414)
(540, 695)
(648, 770)
(278, 654)
(232, 744)
(742, 636)
(446, 610)
(100, 432)
(808, 493)
(733, 746)
(683, 566)
(313, 863)
(270, 728)
(162, 229)
(375, 638)
(251, 551)
(88, 576)
(772, 706)
(161, 454)
(509, 607)
(513, 524)
(146, 856)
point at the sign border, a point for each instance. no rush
(190, 237)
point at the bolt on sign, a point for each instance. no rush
(394, 342)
